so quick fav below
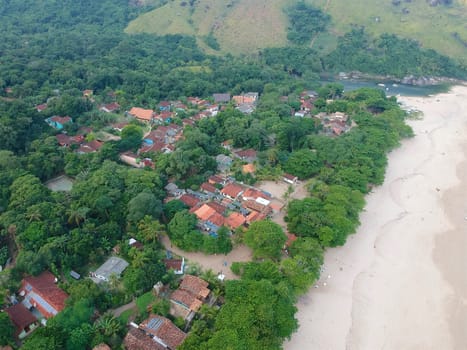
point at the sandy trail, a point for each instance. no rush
(401, 281)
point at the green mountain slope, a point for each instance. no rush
(247, 26)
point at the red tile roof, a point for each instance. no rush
(214, 179)
(190, 200)
(204, 212)
(207, 187)
(44, 285)
(232, 190)
(217, 219)
(235, 220)
(61, 120)
(217, 207)
(20, 316)
(102, 346)
(174, 264)
(163, 329)
(141, 113)
(187, 299)
(195, 285)
(136, 339)
(246, 153)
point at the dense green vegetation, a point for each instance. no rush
(305, 22)
(52, 51)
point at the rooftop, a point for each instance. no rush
(20, 316)
(136, 339)
(164, 329)
(112, 266)
(195, 285)
(45, 286)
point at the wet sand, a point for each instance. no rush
(401, 281)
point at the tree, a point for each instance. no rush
(266, 238)
(303, 163)
(144, 204)
(7, 330)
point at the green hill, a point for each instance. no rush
(247, 26)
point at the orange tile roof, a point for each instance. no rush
(195, 285)
(235, 220)
(187, 299)
(204, 212)
(141, 113)
(217, 219)
(249, 168)
(232, 190)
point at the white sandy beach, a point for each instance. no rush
(401, 281)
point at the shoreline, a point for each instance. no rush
(397, 282)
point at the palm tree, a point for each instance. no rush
(77, 215)
(108, 325)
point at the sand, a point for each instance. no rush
(401, 281)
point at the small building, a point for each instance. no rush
(113, 266)
(232, 191)
(75, 275)
(23, 320)
(221, 97)
(137, 339)
(208, 188)
(223, 162)
(190, 200)
(177, 265)
(163, 331)
(58, 122)
(141, 114)
(290, 179)
(42, 293)
(192, 293)
(235, 220)
(247, 155)
(173, 190)
(110, 107)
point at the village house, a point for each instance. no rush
(119, 126)
(232, 191)
(217, 180)
(43, 294)
(189, 200)
(135, 160)
(159, 330)
(24, 320)
(177, 265)
(208, 188)
(221, 98)
(223, 162)
(247, 155)
(192, 293)
(58, 122)
(173, 190)
(141, 114)
(110, 107)
(102, 346)
(89, 147)
(112, 267)
(246, 103)
(290, 179)
(165, 106)
(137, 339)
(41, 107)
(235, 220)
(66, 141)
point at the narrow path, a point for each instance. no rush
(119, 310)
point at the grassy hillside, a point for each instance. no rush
(246, 26)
